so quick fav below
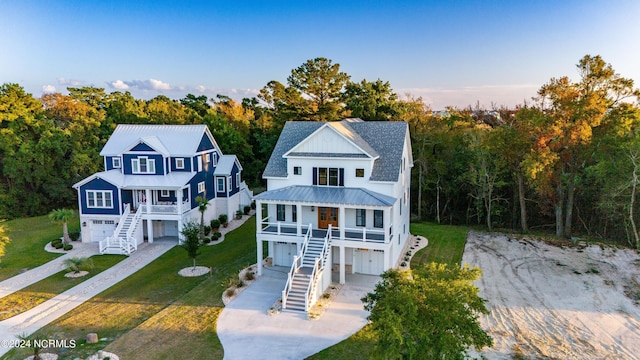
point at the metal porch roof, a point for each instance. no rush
(327, 195)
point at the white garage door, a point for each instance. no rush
(369, 261)
(101, 229)
(284, 253)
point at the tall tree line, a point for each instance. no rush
(568, 162)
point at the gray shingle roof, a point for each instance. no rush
(380, 138)
(327, 195)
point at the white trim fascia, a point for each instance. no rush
(140, 141)
(330, 158)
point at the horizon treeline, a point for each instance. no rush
(567, 163)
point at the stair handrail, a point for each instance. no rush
(297, 262)
(132, 227)
(305, 243)
(312, 279)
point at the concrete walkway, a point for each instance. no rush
(32, 320)
(34, 275)
(246, 331)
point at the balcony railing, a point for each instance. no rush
(165, 209)
(375, 235)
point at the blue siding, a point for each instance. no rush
(235, 187)
(187, 164)
(142, 147)
(99, 184)
(127, 163)
(205, 144)
(171, 197)
(109, 162)
(127, 197)
(208, 184)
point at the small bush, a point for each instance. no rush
(216, 235)
(239, 214)
(408, 253)
(56, 241)
(68, 247)
(247, 210)
(224, 219)
(253, 205)
(215, 224)
(230, 292)
(326, 295)
(206, 240)
(240, 284)
(207, 230)
(58, 245)
(406, 258)
(74, 235)
(249, 275)
(403, 264)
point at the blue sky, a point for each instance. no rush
(449, 52)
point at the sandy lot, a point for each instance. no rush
(558, 303)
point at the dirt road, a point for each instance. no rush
(558, 303)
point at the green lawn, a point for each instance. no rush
(37, 293)
(155, 313)
(28, 237)
(446, 244)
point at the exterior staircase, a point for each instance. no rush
(300, 291)
(122, 241)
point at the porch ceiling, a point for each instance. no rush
(327, 195)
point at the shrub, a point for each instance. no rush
(68, 247)
(207, 230)
(240, 284)
(403, 264)
(253, 205)
(206, 240)
(224, 219)
(76, 264)
(230, 292)
(326, 295)
(56, 241)
(239, 214)
(215, 225)
(247, 210)
(74, 235)
(249, 275)
(408, 253)
(58, 245)
(217, 235)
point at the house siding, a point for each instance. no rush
(127, 165)
(205, 144)
(235, 187)
(187, 164)
(99, 184)
(142, 147)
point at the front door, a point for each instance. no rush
(327, 216)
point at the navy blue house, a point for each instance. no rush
(153, 175)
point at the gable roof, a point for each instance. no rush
(342, 132)
(385, 139)
(225, 165)
(174, 140)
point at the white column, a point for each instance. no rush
(258, 216)
(343, 277)
(149, 221)
(299, 218)
(180, 224)
(386, 215)
(260, 256)
(342, 222)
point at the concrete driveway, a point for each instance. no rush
(246, 331)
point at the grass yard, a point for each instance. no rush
(157, 314)
(35, 294)
(446, 244)
(28, 237)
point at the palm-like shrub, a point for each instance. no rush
(62, 216)
(76, 264)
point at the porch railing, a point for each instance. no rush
(375, 235)
(165, 209)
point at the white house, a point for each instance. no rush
(337, 200)
(153, 175)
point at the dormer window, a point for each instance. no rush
(115, 162)
(328, 176)
(143, 165)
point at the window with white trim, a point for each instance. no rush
(280, 212)
(179, 163)
(143, 165)
(115, 162)
(361, 217)
(99, 199)
(201, 187)
(378, 218)
(206, 158)
(220, 184)
(359, 172)
(164, 193)
(297, 170)
(238, 179)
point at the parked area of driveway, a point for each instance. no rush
(247, 331)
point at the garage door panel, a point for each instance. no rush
(284, 253)
(369, 261)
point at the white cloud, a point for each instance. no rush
(119, 84)
(69, 82)
(159, 85)
(200, 89)
(48, 89)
